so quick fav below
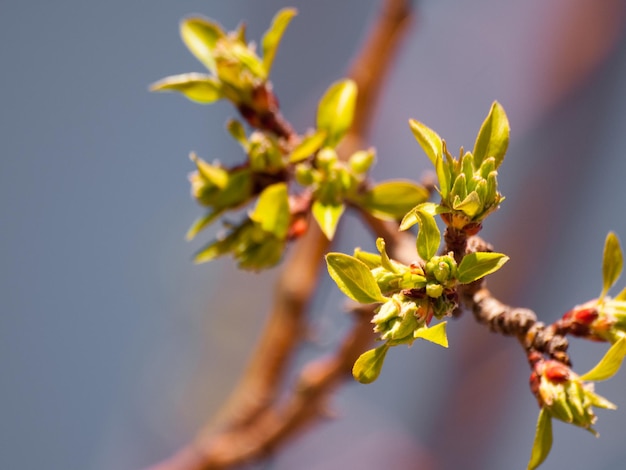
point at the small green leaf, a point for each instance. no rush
(612, 262)
(336, 110)
(367, 367)
(272, 210)
(428, 139)
(435, 334)
(470, 206)
(543, 440)
(216, 175)
(477, 265)
(354, 278)
(493, 138)
(197, 87)
(371, 260)
(609, 364)
(235, 128)
(393, 199)
(384, 257)
(202, 223)
(428, 237)
(327, 216)
(200, 35)
(214, 249)
(272, 37)
(444, 176)
(411, 218)
(308, 146)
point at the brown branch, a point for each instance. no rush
(275, 426)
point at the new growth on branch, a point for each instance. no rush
(288, 180)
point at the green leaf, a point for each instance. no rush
(235, 128)
(411, 218)
(543, 440)
(384, 257)
(476, 265)
(609, 364)
(371, 260)
(272, 37)
(327, 216)
(202, 223)
(200, 35)
(237, 190)
(216, 175)
(272, 210)
(308, 146)
(470, 206)
(353, 278)
(612, 262)
(197, 87)
(214, 249)
(336, 110)
(367, 367)
(428, 237)
(444, 176)
(393, 199)
(493, 138)
(435, 334)
(428, 139)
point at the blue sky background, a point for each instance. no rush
(115, 348)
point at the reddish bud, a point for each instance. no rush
(585, 316)
(556, 372)
(297, 228)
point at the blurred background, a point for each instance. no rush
(115, 348)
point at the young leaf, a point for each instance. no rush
(336, 110)
(353, 278)
(435, 334)
(307, 146)
(428, 237)
(371, 260)
(216, 175)
(274, 34)
(443, 176)
(201, 223)
(612, 262)
(235, 128)
(272, 210)
(200, 35)
(428, 139)
(476, 265)
(197, 87)
(327, 216)
(493, 138)
(411, 218)
(543, 440)
(470, 206)
(384, 257)
(367, 367)
(609, 364)
(393, 199)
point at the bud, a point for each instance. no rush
(326, 158)
(434, 290)
(361, 161)
(560, 391)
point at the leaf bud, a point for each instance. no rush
(361, 161)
